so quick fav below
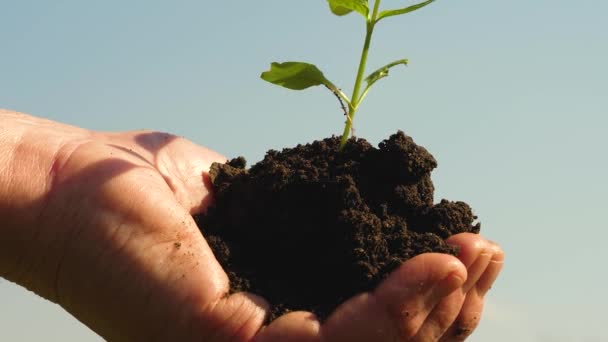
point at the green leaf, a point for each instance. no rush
(382, 72)
(343, 7)
(390, 13)
(296, 76)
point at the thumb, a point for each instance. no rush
(183, 165)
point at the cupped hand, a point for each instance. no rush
(431, 297)
(125, 257)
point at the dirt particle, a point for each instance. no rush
(462, 331)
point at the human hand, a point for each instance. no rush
(117, 247)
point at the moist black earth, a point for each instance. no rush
(310, 226)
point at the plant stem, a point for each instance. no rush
(355, 100)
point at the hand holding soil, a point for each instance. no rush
(101, 223)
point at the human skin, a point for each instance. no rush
(101, 224)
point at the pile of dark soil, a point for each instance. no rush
(311, 226)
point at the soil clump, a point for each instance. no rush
(310, 226)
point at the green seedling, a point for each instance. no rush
(300, 75)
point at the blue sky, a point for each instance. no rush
(510, 97)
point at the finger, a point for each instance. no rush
(295, 326)
(396, 310)
(475, 253)
(441, 318)
(492, 257)
(467, 320)
(470, 315)
(487, 279)
(237, 317)
(471, 245)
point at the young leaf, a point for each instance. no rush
(296, 76)
(390, 13)
(343, 7)
(382, 72)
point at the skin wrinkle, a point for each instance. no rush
(225, 324)
(247, 317)
(146, 141)
(133, 153)
(259, 311)
(73, 232)
(205, 312)
(49, 190)
(250, 316)
(11, 161)
(8, 158)
(164, 171)
(177, 173)
(172, 169)
(169, 243)
(216, 324)
(120, 244)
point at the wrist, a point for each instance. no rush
(29, 149)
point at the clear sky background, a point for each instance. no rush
(510, 96)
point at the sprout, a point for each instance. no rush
(300, 75)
